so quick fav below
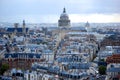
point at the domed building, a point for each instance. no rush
(64, 21)
(87, 26)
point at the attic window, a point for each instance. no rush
(34, 56)
(9, 56)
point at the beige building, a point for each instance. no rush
(63, 24)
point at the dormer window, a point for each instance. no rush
(34, 56)
(9, 56)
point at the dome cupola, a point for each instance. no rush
(64, 15)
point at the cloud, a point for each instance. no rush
(55, 6)
(96, 6)
(49, 10)
(98, 18)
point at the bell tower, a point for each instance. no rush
(24, 28)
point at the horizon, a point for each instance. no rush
(57, 22)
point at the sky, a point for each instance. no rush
(48, 11)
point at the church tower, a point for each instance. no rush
(24, 28)
(64, 21)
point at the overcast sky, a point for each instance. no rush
(48, 11)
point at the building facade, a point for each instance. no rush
(21, 60)
(115, 58)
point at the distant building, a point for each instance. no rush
(64, 21)
(78, 29)
(87, 26)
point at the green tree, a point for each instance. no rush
(4, 68)
(102, 60)
(102, 70)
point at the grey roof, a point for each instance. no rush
(113, 70)
(22, 55)
(18, 29)
(5, 78)
(78, 28)
(47, 51)
(69, 59)
(79, 66)
(56, 70)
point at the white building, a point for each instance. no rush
(48, 55)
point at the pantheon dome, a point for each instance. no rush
(64, 20)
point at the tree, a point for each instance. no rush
(102, 70)
(3, 68)
(102, 60)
